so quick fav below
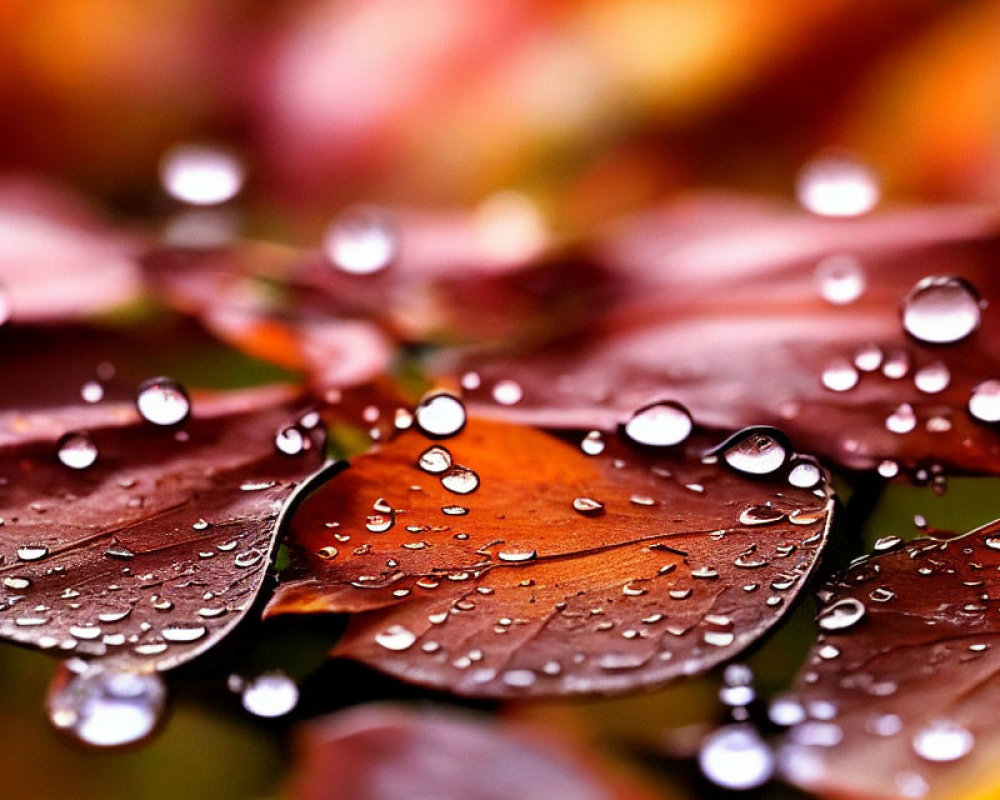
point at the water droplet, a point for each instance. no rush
(984, 402)
(162, 401)
(201, 175)
(756, 451)
(736, 757)
(837, 185)
(932, 378)
(841, 279)
(291, 441)
(941, 309)
(76, 450)
(588, 506)
(659, 424)
(840, 375)
(104, 707)
(460, 480)
(440, 414)
(868, 357)
(804, 473)
(92, 392)
(434, 459)
(32, 552)
(507, 393)
(902, 420)
(396, 638)
(272, 694)
(361, 241)
(943, 740)
(841, 615)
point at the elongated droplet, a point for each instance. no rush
(659, 424)
(76, 450)
(440, 414)
(162, 401)
(941, 309)
(361, 241)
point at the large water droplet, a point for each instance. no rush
(943, 740)
(837, 185)
(841, 615)
(735, 757)
(659, 424)
(941, 309)
(361, 241)
(201, 175)
(759, 450)
(440, 414)
(106, 707)
(272, 694)
(984, 402)
(840, 279)
(162, 401)
(76, 450)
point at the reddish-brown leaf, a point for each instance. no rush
(516, 593)
(155, 551)
(383, 752)
(719, 308)
(902, 699)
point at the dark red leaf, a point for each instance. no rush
(900, 691)
(561, 572)
(155, 551)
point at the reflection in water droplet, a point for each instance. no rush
(659, 425)
(272, 694)
(943, 740)
(104, 707)
(984, 402)
(840, 375)
(76, 450)
(201, 175)
(507, 393)
(460, 480)
(755, 451)
(440, 414)
(162, 401)
(735, 757)
(932, 378)
(840, 279)
(941, 309)
(361, 241)
(435, 459)
(841, 615)
(396, 638)
(837, 185)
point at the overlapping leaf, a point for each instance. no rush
(155, 551)
(900, 693)
(561, 572)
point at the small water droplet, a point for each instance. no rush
(76, 450)
(660, 424)
(507, 392)
(837, 185)
(943, 740)
(756, 451)
(840, 375)
(588, 506)
(736, 757)
(396, 638)
(440, 414)
(841, 615)
(941, 309)
(162, 401)
(201, 175)
(272, 694)
(984, 402)
(840, 279)
(362, 240)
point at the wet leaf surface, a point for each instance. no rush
(382, 752)
(136, 543)
(722, 308)
(899, 693)
(506, 562)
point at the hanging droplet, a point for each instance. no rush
(841, 615)
(736, 757)
(440, 414)
(943, 740)
(507, 393)
(272, 694)
(592, 444)
(984, 402)
(840, 375)
(941, 309)
(840, 279)
(291, 441)
(162, 401)
(660, 424)
(106, 707)
(76, 450)
(361, 241)
(435, 460)
(837, 185)
(759, 450)
(201, 175)
(460, 480)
